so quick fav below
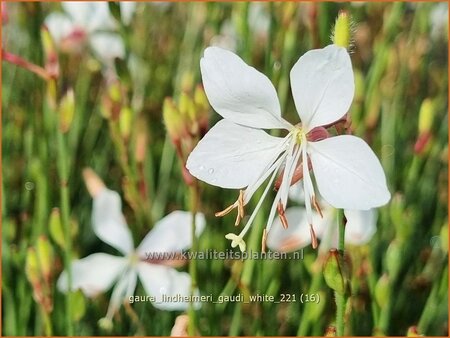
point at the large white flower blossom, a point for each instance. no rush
(97, 272)
(238, 154)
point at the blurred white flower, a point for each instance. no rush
(97, 272)
(359, 230)
(91, 22)
(439, 20)
(237, 153)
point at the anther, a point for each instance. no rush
(240, 206)
(225, 211)
(263, 241)
(313, 237)
(281, 213)
(316, 205)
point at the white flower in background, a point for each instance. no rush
(92, 22)
(439, 20)
(97, 272)
(237, 153)
(359, 229)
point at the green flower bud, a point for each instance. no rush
(335, 272)
(78, 305)
(382, 291)
(66, 111)
(32, 267)
(50, 53)
(125, 122)
(426, 115)
(56, 229)
(187, 108)
(413, 331)
(173, 120)
(46, 258)
(342, 30)
(394, 258)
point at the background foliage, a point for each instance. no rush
(400, 58)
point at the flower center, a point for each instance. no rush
(298, 134)
(133, 258)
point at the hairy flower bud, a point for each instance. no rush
(342, 30)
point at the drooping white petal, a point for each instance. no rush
(297, 235)
(297, 193)
(348, 173)
(159, 280)
(107, 46)
(109, 223)
(322, 86)
(172, 233)
(233, 156)
(59, 26)
(361, 226)
(93, 274)
(122, 290)
(239, 92)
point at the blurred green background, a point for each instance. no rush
(400, 60)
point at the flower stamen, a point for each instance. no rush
(313, 237)
(240, 207)
(225, 211)
(281, 213)
(316, 205)
(263, 241)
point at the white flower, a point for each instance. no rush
(237, 153)
(92, 21)
(98, 272)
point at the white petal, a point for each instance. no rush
(93, 274)
(239, 92)
(159, 280)
(297, 193)
(59, 26)
(107, 46)
(348, 173)
(90, 15)
(322, 86)
(127, 9)
(109, 223)
(297, 235)
(361, 226)
(123, 290)
(233, 156)
(172, 233)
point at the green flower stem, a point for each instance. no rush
(65, 219)
(306, 319)
(47, 323)
(194, 205)
(340, 298)
(431, 308)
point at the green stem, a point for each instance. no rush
(65, 218)
(47, 323)
(194, 201)
(340, 298)
(306, 318)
